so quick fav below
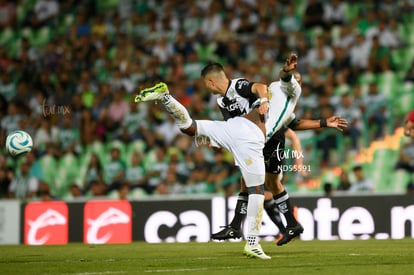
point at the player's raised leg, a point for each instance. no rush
(174, 108)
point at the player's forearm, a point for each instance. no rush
(260, 89)
(296, 145)
(306, 124)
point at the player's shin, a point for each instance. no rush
(272, 211)
(254, 217)
(177, 111)
(283, 202)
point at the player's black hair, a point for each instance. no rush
(212, 67)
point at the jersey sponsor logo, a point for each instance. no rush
(234, 106)
(46, 223)
(107, 222)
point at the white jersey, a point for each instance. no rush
(283, 97)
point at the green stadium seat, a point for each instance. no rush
(98, 147)
(381, 169)
(134, 146)
(49, 166)
(351, 11)
(403, 102)
(107, 5)
(388, 83)
(7, 36)
(67, 173)
(400, 178)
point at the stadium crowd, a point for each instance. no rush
(69, 71)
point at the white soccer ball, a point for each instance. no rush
(19, 143)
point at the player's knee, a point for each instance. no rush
(259, 189)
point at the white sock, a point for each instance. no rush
(254, 217)
(177, 111)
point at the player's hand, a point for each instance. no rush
(291, 63)
(264, 108)
(337, 122)
(301, 168)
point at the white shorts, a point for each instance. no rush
(283, 99)
(242, 138)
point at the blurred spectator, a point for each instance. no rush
(23, 186)
(345, 38)
(320, 56)
(7, 13)
(341, 65)
(134, 124)
(168, 130)
(386, 37)
(135, 171)
(75, 192)
(290, 22)
(409, 75)
(378, 55)
(359, 53)
(361, 182)
(220, 170)
(328, 141)
(163, 50)
(69, 136)
(409, 189)
(46, 135)
(98, 189)
(313, 15)
(376, 109)
(367, 18)
(6, 176)
(118, 107)
(114, 170)
(406, 157)
(191, 22)
(123, 191)
(201, 168)
(44, 193)
(10, 121)
(7, 86)
(156, 168)
(344, 182)
(212, 21)
(328, 190)
(334, 13)
(348, 110)
(36, 169)
(94, 172)
(46, 9)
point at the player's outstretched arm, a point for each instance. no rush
(336, 122)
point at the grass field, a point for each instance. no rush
(298, 257)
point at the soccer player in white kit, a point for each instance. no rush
(244, 136)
